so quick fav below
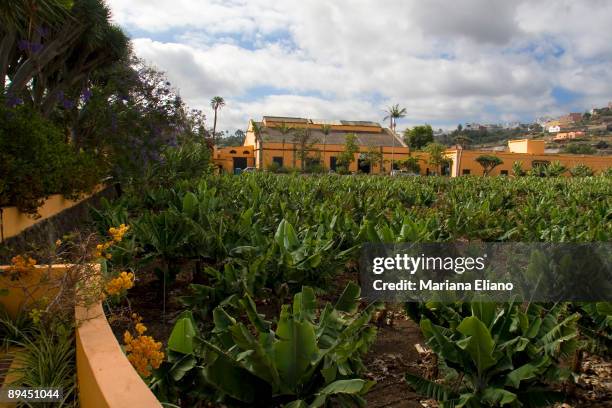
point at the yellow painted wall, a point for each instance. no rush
(224, 158)
(466, 160)
(105, 377)
(14, 221)
(324, 152)
(527, 146)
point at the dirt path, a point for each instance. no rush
(391, 356)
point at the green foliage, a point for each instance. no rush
(579, 148)
(305, 361)
(48, 359)
(436, 155)
(411, 164)
(36, 161)
(488, 162)
(554, 169)
(348, 155)
(517, 169)
(502, 352)
(581, 170)
(419, 136)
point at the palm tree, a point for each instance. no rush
(325, 129)
(258, 131)
(394, 112)
(216, 103)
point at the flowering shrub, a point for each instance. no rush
(117, 235)
(142, 351)
(120, 284)
(20, 266)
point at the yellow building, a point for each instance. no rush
(227, 159)
(285, 141)
(528, 152)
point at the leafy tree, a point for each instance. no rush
(488, 162)
(237, 139)
(216, 103)
(436, 155)
(348, 155)
(373, 156)
(411, 164)
(50, 51)
(304, 141)
(419, 136)
(36, 161)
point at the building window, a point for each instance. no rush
(332, 163)
(504, 172)
(232, 152)
(245, 152)
(466, 172)
(278, 160)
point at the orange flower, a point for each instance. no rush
(143, 351)
(121, 283)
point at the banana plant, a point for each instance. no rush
(311, 258)
(500, 355)
(304, 361)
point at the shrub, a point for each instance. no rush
(581, 170)
(579, 148)
(308, 359)
(36, 161)
(499, 354)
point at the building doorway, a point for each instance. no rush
(240, 163)
(333, 163)
(364, 166)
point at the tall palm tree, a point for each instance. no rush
(325, 129)
(258, 130)
(216, 103)
(394, 112)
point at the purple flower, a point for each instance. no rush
(67, 104)
(13, 101)
(87, 94)
(25, 45)
(42, 31)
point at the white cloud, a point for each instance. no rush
(480, 60)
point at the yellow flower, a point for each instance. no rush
(21, 266)
(143, 351)
(123, 282)
(140, 328)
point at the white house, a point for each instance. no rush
(554, 129)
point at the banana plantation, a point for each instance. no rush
(251, 284)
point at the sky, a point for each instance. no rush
(446, 62)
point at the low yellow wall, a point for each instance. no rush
(106, 379)
(13, 221)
